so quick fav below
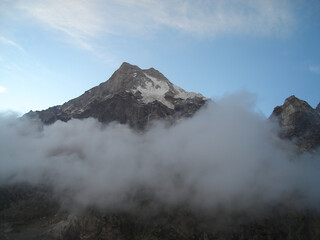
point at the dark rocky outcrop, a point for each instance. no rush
(131, 96)
(299, 122)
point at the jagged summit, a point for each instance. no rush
(299, 122)
(149, 84)
(131, 95)
(296, 104)
(293, 105)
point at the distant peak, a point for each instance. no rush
(292, 98)
(296, 102)
(298, 120)
(291, 105)
(124, 64)
(127, 66)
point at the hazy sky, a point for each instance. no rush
(54, 50)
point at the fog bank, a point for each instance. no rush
(226, 155)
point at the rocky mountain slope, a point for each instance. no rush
(299, 122)
(131, 96)
(37, 217)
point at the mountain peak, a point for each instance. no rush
(125, 66)
(296, 117)
(148, 85)
(131, 95)
(296, 103)
(291, 105)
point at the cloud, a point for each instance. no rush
(225, 156)
(76, 19)
(2, 89)
(9, 65)
(83, 21)
(315, 69)
(11, 43)
(214, 18)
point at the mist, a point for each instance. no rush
(227, 155)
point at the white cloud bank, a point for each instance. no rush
(226, 156)
(83, 20)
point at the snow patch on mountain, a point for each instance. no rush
(154, 90)
(182, 94)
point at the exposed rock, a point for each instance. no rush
(299, 122)
(131, 95)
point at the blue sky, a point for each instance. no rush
(53, 50)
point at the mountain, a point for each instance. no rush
(299, 122)
(131, 96)
(135, 96)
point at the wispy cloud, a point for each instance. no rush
(82, 21)
(213, 18)
(315, 69)
(76, 19)
(9, 65)
(2, 89)
(11, 43)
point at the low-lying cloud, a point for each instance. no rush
(227, 155)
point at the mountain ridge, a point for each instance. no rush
(131, 95)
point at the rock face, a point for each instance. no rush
(299, 122)
(131, 96)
